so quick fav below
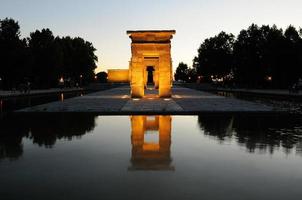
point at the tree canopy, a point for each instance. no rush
(43, 58)
(256, 57)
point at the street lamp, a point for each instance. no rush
(61, 82)
(81, 77)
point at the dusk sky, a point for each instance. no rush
(104, 23)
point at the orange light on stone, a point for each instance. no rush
(118, 76)
(150, 49)
(148, 155)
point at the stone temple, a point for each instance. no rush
(150, 64)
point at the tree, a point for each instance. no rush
(181, 73)
(264, 54)
(53, 58)
(215, 56)
(248, 52)
(13, 53)
(45, 64)
(79, 60)
(102, 77)
(43, 59)
(292, 55)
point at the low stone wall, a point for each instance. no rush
(104, 86)
(202, 86)
(118, 76)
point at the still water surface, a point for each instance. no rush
(84, 156)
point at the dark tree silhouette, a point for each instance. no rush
(13, 54)
(45, 53)
(182, 72)
(215, 56)
(44, 130)
(102, 77)
(259, 57)
(78, 58)
(43, 59)
(255, 133)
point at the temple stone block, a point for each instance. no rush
(150, 63)
(118, 76)
(151, 51)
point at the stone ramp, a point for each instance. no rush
(152, 105)
(117, 101)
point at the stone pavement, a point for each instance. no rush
(272, 92)
(117, 101)
(5, 93)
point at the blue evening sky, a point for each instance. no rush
(104, 22)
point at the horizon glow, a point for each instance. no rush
(104, 23)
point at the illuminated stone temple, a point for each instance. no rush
(154, 154)
(150, 64)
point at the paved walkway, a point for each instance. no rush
(264, 92)
(5, 93)
(117, 102)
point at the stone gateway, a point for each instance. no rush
(150, 64)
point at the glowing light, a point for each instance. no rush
(136, 99)
(167, 99)
(269, 78)
(62, 97)
(81, 76)
(143, 143)
(177, 96)
(61, 80)
(96, 77)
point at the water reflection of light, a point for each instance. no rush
(177, 96)
(151, 143)
(1, 105)
(62, 97)
(136, 99)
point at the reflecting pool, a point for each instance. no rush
(86, 156)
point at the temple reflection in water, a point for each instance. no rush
(151, 143)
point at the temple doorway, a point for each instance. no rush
(150, 75)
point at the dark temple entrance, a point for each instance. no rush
(150, 80)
